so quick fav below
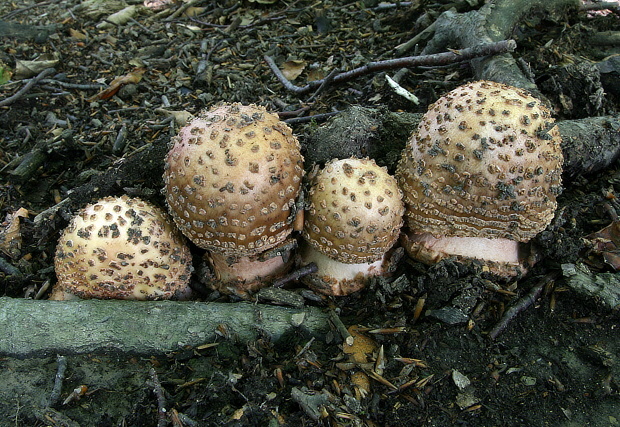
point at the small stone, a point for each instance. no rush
(449, 315)
(459, 379)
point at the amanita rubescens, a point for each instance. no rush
(122, 248)
(353, 219)
(480, 175)
(232, 177)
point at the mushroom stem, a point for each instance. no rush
(243, 274)
(335, 277)
(433, 249)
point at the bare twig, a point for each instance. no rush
(340, 327)
(295, 275)
(315, 117)
(162, 414)
(443, 58)
(73, 85)
(11, 99)
(521, 305)
(58, 379)
(327, 81)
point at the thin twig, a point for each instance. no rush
(436, 59)
(27, 87)
(305, 119)
(162, 414)
(521, 305)
(295, 275)
(73, 85)
(340, 327)
(327, 81)
(58, 379)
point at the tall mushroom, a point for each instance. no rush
(480, 175)
(122, 248)
(354, 217)
(232, 177)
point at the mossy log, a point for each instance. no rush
(40, 328)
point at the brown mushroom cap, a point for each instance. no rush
(122, 248)
(355, 211)
(231, 177)
(484, 162)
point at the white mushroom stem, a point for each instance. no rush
(338, 270)
(335, 277)
(497, 250)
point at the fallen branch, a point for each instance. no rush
(437, 59)
(494, 21)
(40, 328)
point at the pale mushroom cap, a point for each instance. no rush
(122, 248)
(355, 211)
(231, 177)
(485, 162)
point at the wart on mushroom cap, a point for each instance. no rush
(122, 248)
(353, 219)
(484, 167)
(232, 177)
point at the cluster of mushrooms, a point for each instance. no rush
(478, 179)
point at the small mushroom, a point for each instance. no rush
(480, 176)
(232, 177)
(354, 217)
(122, 248)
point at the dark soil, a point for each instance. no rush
(555, 363)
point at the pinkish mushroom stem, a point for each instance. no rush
(250, 271)
(337, 278)
(499, 250)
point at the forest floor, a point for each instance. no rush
(556, 363)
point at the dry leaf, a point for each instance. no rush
(157, 5)
(193, 11)
(362, 346)
(27, 69)
(78, 35)
(181, 118)
(292, 69)
(94, 9)
(5, 73)
(134, 77)
(606, 243)
(119, 18)
(10, 233)
(361, 381)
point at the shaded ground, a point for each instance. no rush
(555, 364)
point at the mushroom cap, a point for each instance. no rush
(122, 248)
(231, 177)
(485, 161)
(355, 211)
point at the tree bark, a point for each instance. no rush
(589, 145)
(40, 328)
(493, 22)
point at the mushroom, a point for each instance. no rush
(480, 176)
(354, 217)
(122, 248)
(232, 177)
